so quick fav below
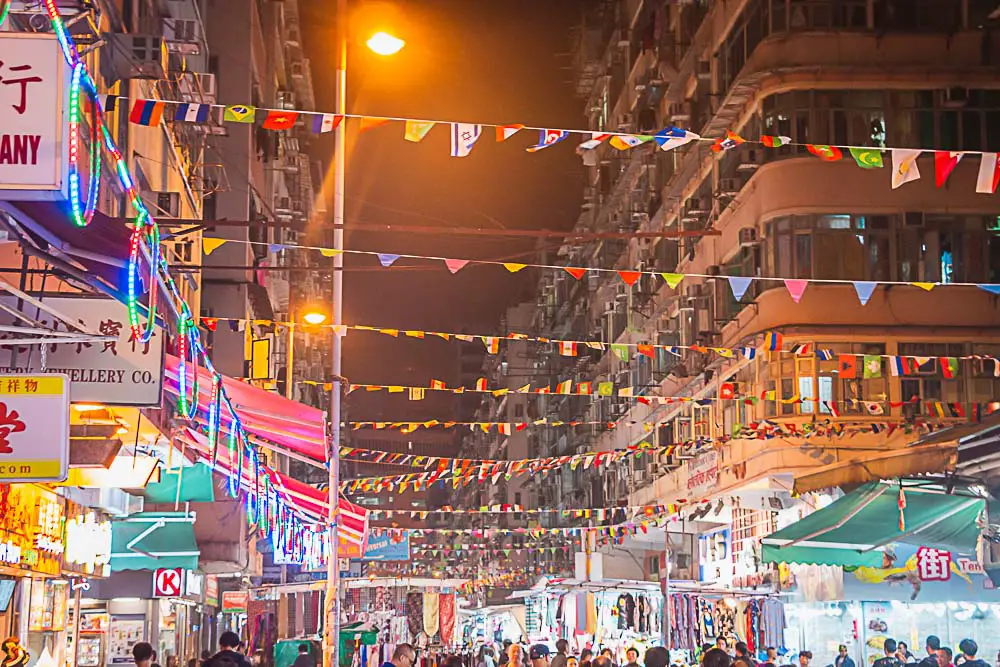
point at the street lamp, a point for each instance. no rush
(311, 317)
(383, 44)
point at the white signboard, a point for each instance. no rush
(34, 428)
(34, 94)
(125, 371)
(703, 473)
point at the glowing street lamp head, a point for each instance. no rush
(314, 317)
(385, 44)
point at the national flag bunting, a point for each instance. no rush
(481, 384)
(416, 130)
(989, 174)
(949, 367)
(567, 348)
(370, 123)
(505, 132)
(775, 141)
(463, 137)
(824, 152)
(146, 112)
(801, 349)
(192, 113)
(670, 138)
(437, 384)
(945, 163)
(727, 143)
(239, 113)
(867, 158)
(325, 122)
(280, 120)
(596, 139)
(847, 367)
(548, 138)
(904, 166)
(564, 387)
(773, 341)
(623, 142)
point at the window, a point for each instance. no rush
(927, 384)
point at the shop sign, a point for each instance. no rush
(235, 602)
(715, 557)
(34, 428)
(933, 564)
(384, 545)
(31, 528)
(211, 590)
(88, 545)
(34, 139)
(970, 566)
(194, 584)
(703, 472)
(123, 371)
(920, 574)
(167, 582)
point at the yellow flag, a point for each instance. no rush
(513, 267)
(416, 130)
(209, 246)
(330, 252)
(924, 286)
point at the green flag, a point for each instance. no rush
(872, 366)
(239, 113)
(867, 158)
(605, 388)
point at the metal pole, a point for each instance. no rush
(290, 361)
(332, 625)
(76, 625)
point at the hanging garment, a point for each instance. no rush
(581, 613)
(432, 614)
(590, 601)
(447, 615)
(414, 613)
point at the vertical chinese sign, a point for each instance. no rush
(34, 140)
(34, 428)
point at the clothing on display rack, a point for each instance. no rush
(697, 620)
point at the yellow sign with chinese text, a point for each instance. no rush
(34, 428)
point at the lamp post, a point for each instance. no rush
(312, 317)
(385, 45)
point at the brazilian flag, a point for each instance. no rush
(867, 158)
(239, 113)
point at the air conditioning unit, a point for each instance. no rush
(749, 158)
(748, 237)
(134, 56)
(183, 35)
(286, 99)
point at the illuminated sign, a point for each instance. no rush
(10, 553)
(31, 528)
(88, 544)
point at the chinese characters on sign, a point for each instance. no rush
(124, 371)
(34, 429)
(933, 564)
(703, 472)
(34, 90)
(31, 528)
(88, 545)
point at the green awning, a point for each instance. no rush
(852, 530)
(196, 486)
(151, 540)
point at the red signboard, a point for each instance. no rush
(168, 583)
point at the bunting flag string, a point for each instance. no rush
(620, 529)
(464, 136)
(739, 285)
(596, 513)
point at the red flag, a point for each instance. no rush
(211, 323)
(630, 276)
(575, 272)
(823, 152)
(280, 120)
(945, 163)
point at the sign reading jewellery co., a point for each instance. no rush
(34, 138)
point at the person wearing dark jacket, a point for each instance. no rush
(303, 659)
(559, 659)
(890, 659)
(933, 645)
(229, 654)
(969, 648)
(842, 659)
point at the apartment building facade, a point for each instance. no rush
(860, 73)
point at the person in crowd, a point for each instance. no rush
(842, 659)
(606, 653)
(229, 652)
(805, 657)
(932, 645)
(559, 659)
(304, 659)
(705, 648)
(903, 652)
(539, 655)
(656, 657)
(632, 657)
(716, 657)
(772, 656)
(142, 654)
(485, 657)
(586, 656)
(153, 662)
(968, 649)
(944, 657)
(504, 653)
(603, 660)
(572, 661)
(743, 653)
(890, 658)
(515, 656)
(454, 661)
(722, 644)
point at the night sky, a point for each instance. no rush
(504, 61)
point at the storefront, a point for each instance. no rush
(33, 596)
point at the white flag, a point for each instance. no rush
(904, 166)
(463, 137)
(989, 174)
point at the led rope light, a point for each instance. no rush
(145, 228)
(187, 409)
(213, 417)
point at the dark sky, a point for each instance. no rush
(502, 61)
